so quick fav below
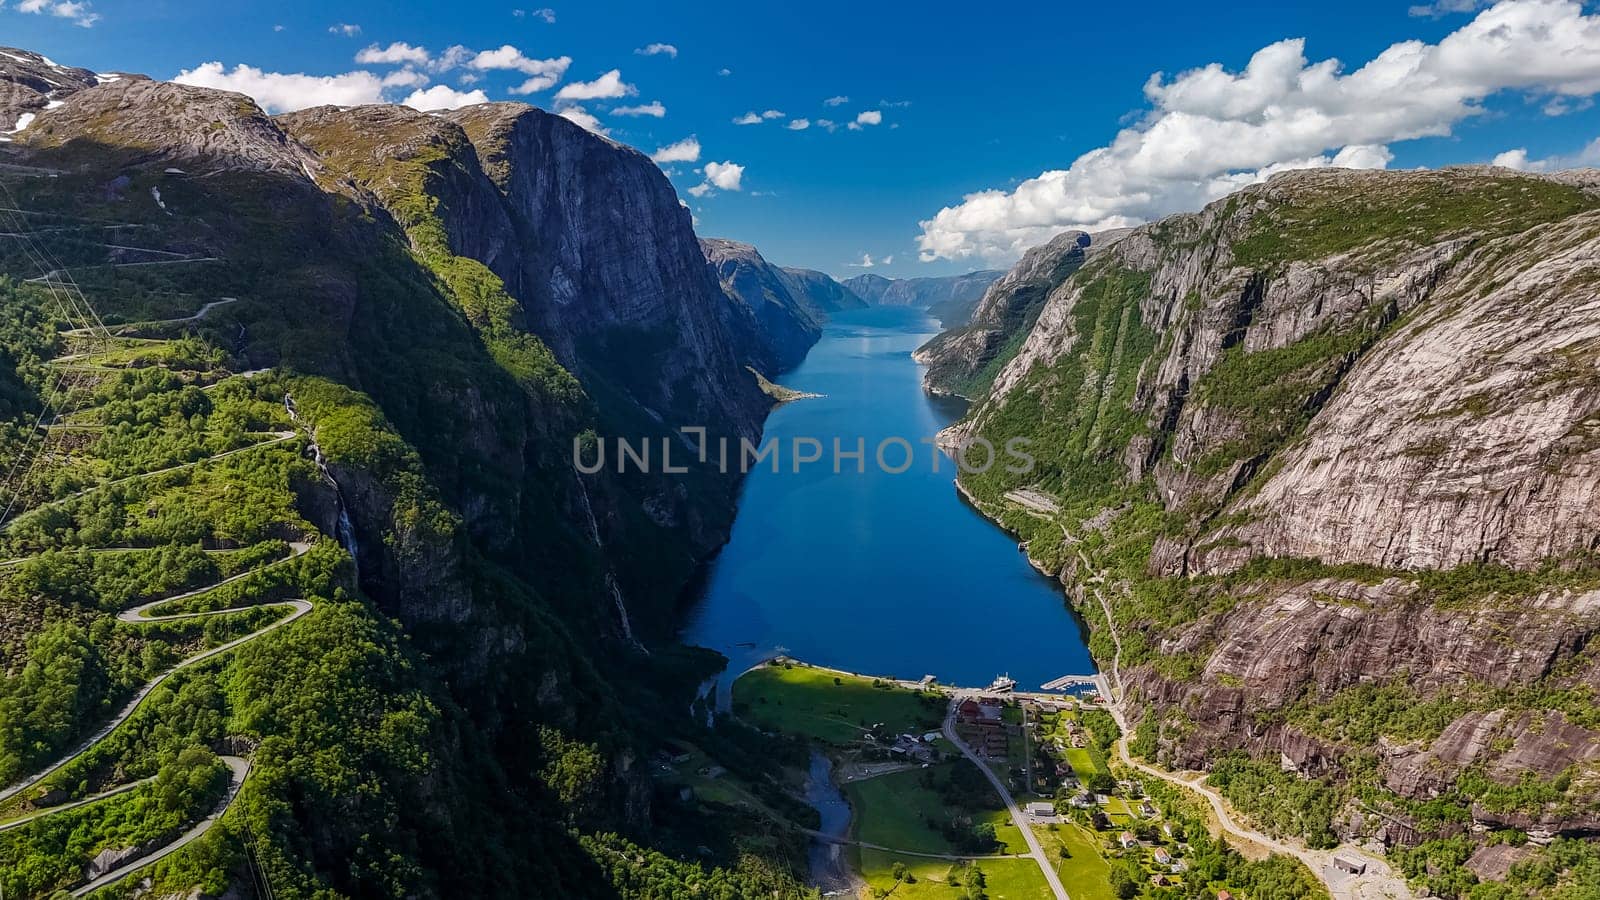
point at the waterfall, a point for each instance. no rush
(344, 529)
(611, 578)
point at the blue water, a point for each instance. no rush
(885, 574)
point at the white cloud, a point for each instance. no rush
(547, 15)
(584, 118)
(654, 109)
(344, 29)
(1212, 131)
(724, 175)
(278, 92)
(894, 104)
(1518, 159)
(870, 117)
(799, 124)
(701, 189)
(686, 150)
(79, 12)
(658, 50)
(836, 101)
(407, 77)
(543, 73)
(605, 87)
(394, 54)
(442, 96)
(277, 28)
(865, 263)
(1442, 8)
(829, 124)
(756, 118)
(724, 72)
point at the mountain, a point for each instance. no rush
(326, 382)
(964, 360)
(787, 326)
(818, 292)
(951, 298)
(1333, 446)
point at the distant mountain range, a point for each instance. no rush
(951, 298)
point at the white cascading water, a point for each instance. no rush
(611, 580)
(344, 530)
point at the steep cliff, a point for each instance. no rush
(446, 304)
(964, 360)
(818, 292)
(1332, 443)
(787, 327)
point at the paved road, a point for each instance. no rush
(238, 771)
(96, 798)
(1035, 849)
(297, 609)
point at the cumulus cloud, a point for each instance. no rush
(584, 118)
(543, 73)
(829, 124)
(686, 150)
(799, 124)
(870, 117)
(605, 87)
(865, 263)
(840, 100)
(1519, 159)
(724, 175)
(278, 92)
(1211, 131)
(658, 50)
(407, 77)
(78, 12)
(344, 29)
(394, 54)
(654, 109)
(756, 118)
(442, 96)
(724, 72)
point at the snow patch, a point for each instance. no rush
(156, 193)
(55, 104)
(19, 59)
(107, 78)
(23, 122)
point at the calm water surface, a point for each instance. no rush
(878, 573)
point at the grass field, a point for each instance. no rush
(1082, 762)
(798, 699)
(1005, 879)
(1084, 871)
(895, 811)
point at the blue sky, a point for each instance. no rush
(971, 98)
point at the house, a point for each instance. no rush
(1148, 809)
(1127, 840)
(1040, 809)
(1162, 857)
(1349, 866)
(1224, 895)
(930, 737)
(1082, 801)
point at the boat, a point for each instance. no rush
(1003, 684)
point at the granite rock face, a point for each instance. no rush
(963, 360)
(787, 328)
(1368, 406)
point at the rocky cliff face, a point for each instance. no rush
(787, 328)
(964, 360)
(1333, 441)
(818, 292)
(951, 298)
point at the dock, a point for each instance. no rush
(1067, 681)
